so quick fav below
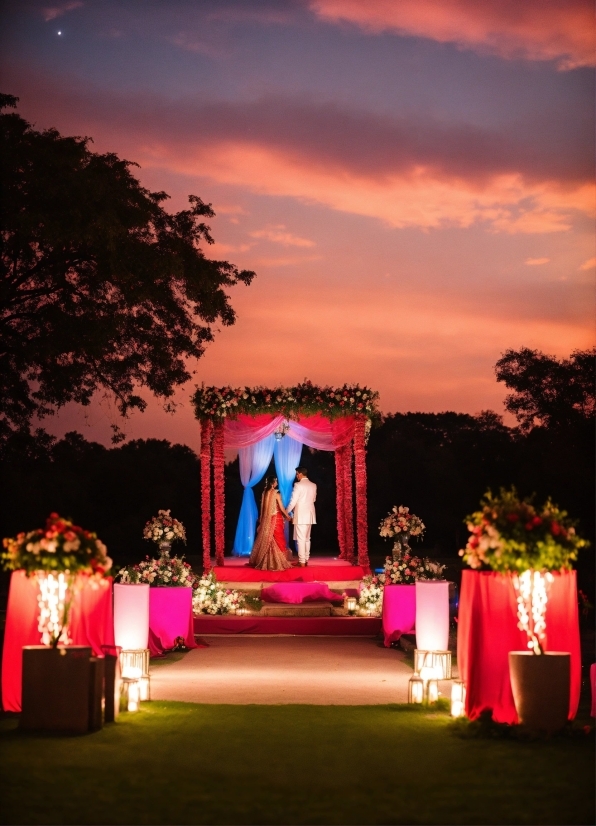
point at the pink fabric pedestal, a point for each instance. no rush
(399, 611)
(487, 632)
(298, 592)
(170, 616)
(91, 624)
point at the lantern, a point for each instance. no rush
(458, 699)
(440, 660)
(130, 691)
(135, 664)
(429, 676)
(351, 604)
(415, 689)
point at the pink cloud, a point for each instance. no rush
(590, 264)
(52, 12)
(560, 30)
(536, 262)
(278, 234)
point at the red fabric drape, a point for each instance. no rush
(314, 431)
(206, 436)
(91, 623)
(218, 490)
(487, 632)
(361, 506)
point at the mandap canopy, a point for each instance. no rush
(263, 424)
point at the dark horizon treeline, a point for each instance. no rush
(439, 464)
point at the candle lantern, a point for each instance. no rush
(130, 691)
(415, 689)
(351, 604)
(135, 663)
(439, 660)
(458, 699)
(432, 690)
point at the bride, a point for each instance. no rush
(269, 552)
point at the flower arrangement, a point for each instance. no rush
(59, 547)
(511, 535)
(210, 597)
(371, 595)
(164, 528)
(406, 569)
(170, 572)
(399, 523)
(303, 399)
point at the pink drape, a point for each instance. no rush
(314, 431)
(170, 616)
(487, 632)
(399, 611)
(91, 624)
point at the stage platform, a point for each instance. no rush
(295, 626)
(338, 575)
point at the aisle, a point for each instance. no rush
(268, 670)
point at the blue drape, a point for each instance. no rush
(254, 461)
(287, 453)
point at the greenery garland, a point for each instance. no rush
(305, 399)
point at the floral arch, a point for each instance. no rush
(262, 424)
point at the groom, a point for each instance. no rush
(304, 517)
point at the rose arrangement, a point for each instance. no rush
(399, 522)
(171, 572)
(210, 597)
(304, 399)
(371, 595)
(511, 534)
(59, 547)
(164, 528)
(406, 569)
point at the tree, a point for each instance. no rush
(101, 288)
(548, 392)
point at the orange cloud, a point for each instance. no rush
(560, 30)
(589, 264)
(535, 262)
(279, 235)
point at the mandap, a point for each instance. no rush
(264, 424)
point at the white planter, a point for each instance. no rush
(131, 616)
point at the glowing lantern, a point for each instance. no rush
(415, 689)
(130, 695)
(458, 699)
(135, 665)
(440, 660)
(429, 677)
(351, 604)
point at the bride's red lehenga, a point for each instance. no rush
(269, 553)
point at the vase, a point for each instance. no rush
(165, 548)
(541, 686)
(401, 546)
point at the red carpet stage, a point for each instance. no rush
(303, 626)
(321, 569)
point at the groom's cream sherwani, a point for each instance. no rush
(302, 503)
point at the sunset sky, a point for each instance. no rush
(411, 180)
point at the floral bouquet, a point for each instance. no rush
(163, 529)
(171, 572)
(371, 595)
(406, 569)
(510, 534)
(55, 555)
(210, 597)
(400, 521)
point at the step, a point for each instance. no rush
(205, 625)
(303, 609)
(338, 586)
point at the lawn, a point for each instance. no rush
(179, 763)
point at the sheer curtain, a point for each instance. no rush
(254, 461)
(287, 453)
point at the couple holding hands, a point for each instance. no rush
(269, 552)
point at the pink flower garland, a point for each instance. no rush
(339, 500)
(360, 473)
(218, 488)
(348, 503)
(206, 435)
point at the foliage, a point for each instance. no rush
(304, 399)
(60, 546)
(511, 534)
(164, 528)
(210, 597)
(370, 598)
(102, 288)
(406, 569)
(165, 572)
(547, 391)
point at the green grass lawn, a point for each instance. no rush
(175, 763)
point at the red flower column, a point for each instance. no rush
(339, 499)
(348, 503)
(361, 507)
(206, 436)
(218, 489)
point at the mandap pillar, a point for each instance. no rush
(339, 500)
(206, 439)
(219, 490)
(361, 504)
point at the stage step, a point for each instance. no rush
(304, 609)
(205, 625)
(338, 586)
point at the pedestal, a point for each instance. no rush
(131, 616)
(399, 611)
(432, 615)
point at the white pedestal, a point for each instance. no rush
(131, 616)
(432, 615)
